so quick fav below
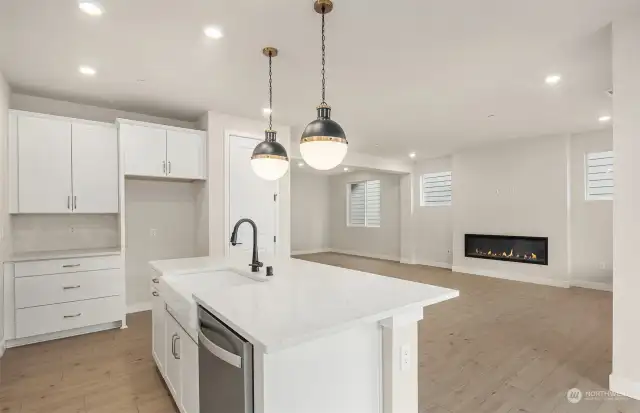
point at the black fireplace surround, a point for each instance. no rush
(530, 250)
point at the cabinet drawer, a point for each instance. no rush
(58, 317)
(29, 268)
(64, 288)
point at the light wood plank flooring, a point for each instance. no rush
(501, 347)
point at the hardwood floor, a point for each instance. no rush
(501, 347)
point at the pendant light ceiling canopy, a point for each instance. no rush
(269, 159)
(323, 144)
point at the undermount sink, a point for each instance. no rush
(254, 276)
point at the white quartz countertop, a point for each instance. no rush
(52, 255)
(302, 302)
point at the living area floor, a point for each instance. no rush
(501, 347)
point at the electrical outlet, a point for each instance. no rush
(153, 232)
(405, 357)
(72, 229)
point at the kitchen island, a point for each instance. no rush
(323, 338)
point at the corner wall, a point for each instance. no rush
(382, 242)
(310, 200)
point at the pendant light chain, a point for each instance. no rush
(270, 95)
(323, 58)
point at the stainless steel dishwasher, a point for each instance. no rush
(226, 367)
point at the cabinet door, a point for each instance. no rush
(44, 165)
(185, 155)
(189, 374)
(95, 168)
(172, 367)
(145, 150)
(158, 325)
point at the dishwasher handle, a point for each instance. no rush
(222, 354)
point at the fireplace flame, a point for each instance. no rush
(527, 256)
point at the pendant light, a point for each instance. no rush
(323, 144)
(269, 159)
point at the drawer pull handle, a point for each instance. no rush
(155, 280)
(70, 265)
(70, 287)
(155, 294)
(73, 316)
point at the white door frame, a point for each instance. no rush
(228, 133)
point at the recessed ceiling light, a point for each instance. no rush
(266, 111)
(553, 79)
(604, 118)
(301, 164)
(87, 70)
(412, 155)
(91, 7)
(346, 169)
(213, 32)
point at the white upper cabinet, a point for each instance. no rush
(162, 152)
(95, 168)
(60, 165)
(185, 155)
(145, 150)
(44, 165)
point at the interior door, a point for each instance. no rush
(250, 197)
(95, 168)
(185, 154)
(44, 165)
(145, 150)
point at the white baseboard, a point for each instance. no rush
(366, 255)
(305, 252)
(592, 285)
(139, 307)
(513, 277)
(624, 386)
(62, 334)
(434, 264)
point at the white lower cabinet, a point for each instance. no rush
(176, 355)
(172, 364)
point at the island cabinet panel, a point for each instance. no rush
(158, 326)
(346, 366)
(189, 378)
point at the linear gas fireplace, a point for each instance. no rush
(530, 250)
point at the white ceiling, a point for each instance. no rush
(402, 75)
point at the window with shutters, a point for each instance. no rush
(363, 204)
(599, 183)
(435, 189)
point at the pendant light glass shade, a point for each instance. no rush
(323, 144)
(269, 159)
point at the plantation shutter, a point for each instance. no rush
(436, 189)
(373, 204)
(357, 204)
(599, 179)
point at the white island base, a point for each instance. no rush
(325, 339)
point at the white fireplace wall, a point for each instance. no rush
(517, 187)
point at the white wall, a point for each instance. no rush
(625, 377)
(218, 125)
(31, 233)
(309, 211)
(80, 111)
(167, 207)
(382, 242)
(4, 194)
(514, 188)
(432, 227)
(591, 222)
